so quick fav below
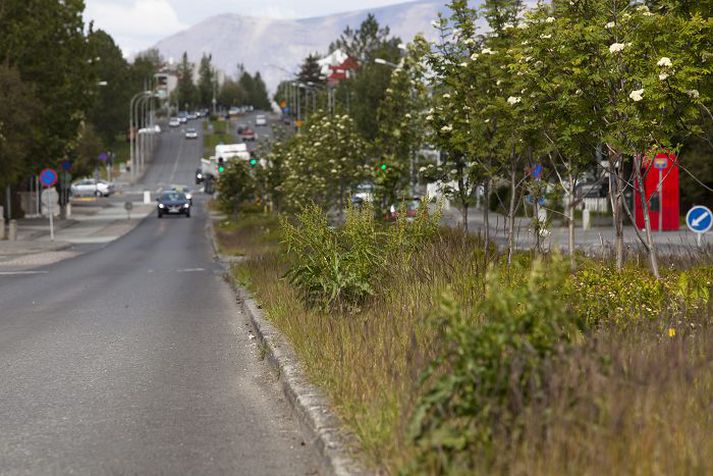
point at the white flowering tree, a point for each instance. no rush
(635, 68)
(402, 124)
(324, 162)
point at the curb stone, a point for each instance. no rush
(312, 408)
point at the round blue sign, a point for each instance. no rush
(66, 165)
(699, 219)
(48, 177)
(103, 157)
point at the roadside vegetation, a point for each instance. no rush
(442, 352)
(441, 362)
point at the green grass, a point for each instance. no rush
(629, 398)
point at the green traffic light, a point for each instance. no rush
(253, 162)
(383, 167)
(221, 169)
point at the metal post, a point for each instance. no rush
(8, 202)
(660, 201)
(49, 207)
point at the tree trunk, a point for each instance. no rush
(464, 211)
(650, 247)
(617, 193)
(571, 223)
(511, 214)
(486, 218)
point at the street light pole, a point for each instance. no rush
(132, 139)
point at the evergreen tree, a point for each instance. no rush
(206, 81)
(186, 92)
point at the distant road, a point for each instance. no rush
(134, 359)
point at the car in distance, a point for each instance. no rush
(173, 203)
(248, 134)
(410, 205)
(92, 188)
(184, 189)
(191, 133)
(260, 120)
(174, 122)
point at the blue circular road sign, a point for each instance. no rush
(48, 177)
(699, 219)
(103, 156)
(66, 165)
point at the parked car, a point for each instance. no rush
(411, 206)
(248, 134)
(174, 122)
(191, 133)
(92, 188)
(260, 120)
(241, 128)
(173, 203)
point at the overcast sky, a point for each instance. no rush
(138, 24)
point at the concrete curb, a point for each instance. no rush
(335, 446)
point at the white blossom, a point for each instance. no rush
(693, 93)
(546, 37)
(487, 51)
(663, 76)
(616, 47)
(446, 96)
(610, 25)
(474, 56)
(508, 25)
(447, 128)
(665, 62)
(637, 95)
(550, 20)
(469, 41)
(464, 65)
(512, 100)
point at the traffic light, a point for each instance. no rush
(221, 165)
(384, 168)
(253, 162)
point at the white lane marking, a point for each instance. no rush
(178, 158)
(21, 273)
(191, 270)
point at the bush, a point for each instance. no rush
(235, 187)
(340, 269)
(492, 367)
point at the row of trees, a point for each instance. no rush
(567, 87)
(64, 102)
(245, 90)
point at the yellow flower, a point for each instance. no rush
(672, 332)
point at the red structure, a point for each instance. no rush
(664, 207)
(342, 71)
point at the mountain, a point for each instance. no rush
(259, 42)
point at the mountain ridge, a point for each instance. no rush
(266, 45)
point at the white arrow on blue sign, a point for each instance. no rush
(699, 219)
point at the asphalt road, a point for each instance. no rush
(134, 359)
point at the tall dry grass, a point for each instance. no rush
(633, 401)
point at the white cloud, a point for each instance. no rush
(136, 24)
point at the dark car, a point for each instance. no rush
(173, 203)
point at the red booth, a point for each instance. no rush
(664, 207)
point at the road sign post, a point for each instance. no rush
(48, 178)
(660, 164)
(700, 221)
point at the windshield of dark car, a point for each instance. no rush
(172, 197)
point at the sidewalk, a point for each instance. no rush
(91, 223)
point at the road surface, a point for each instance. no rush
(134, 359)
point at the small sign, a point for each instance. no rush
(48, 177)
(299, 123)
(661, 163)
(283, 104)
(103, 157)
(66, 165)
(128, 206)
(699, 219)
(537, 171)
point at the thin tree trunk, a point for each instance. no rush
(486, 218)
(650, 247)
(571, 224)
(618, 206)
(464, 212)
(511, 214)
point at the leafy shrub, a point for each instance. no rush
(341, 268)
(235, 187)
(492, 367)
